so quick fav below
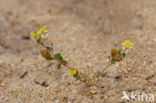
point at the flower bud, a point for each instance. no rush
(113, 52)
(115, 55)
(45, 53)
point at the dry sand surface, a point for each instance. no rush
(84, 31)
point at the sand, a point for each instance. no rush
(84, 31)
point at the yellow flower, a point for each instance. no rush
(43, 30)
(73, 72)
(34, 34)
(127, 44)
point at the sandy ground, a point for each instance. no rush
(84, 31)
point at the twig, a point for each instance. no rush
(23, 75)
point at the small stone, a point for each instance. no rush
(92, 97)
(106, 99)
(52, 88)
(55, 12)
(101, 97)
(57, 90)
(102, 86)
(150, 62)
(129, 69)
(2, 85)
(93, 91)
(2, 63)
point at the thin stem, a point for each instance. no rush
(106, 68)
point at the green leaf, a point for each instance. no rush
(39, 40)
(49, 48)
(58, 66)
(64, 62)
(85, 79)
(98, 73)
(78, 77)
(60, 58)
(109, 58)
(123, 54)
(119, 51)
(112, 61)
(50, 58)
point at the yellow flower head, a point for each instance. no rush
(73, 72)
(127, 44)
(34, 34)
(43, 30)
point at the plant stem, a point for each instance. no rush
(106, 68)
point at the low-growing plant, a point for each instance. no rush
(117, 55)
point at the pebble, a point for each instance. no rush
(129, 69)
(106, 99)
(57, 90)
(2, 62)
(93, 91)
(2, 85)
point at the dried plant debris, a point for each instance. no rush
(44, 83)
(149, 77)
(26, 37)
(24, 74)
